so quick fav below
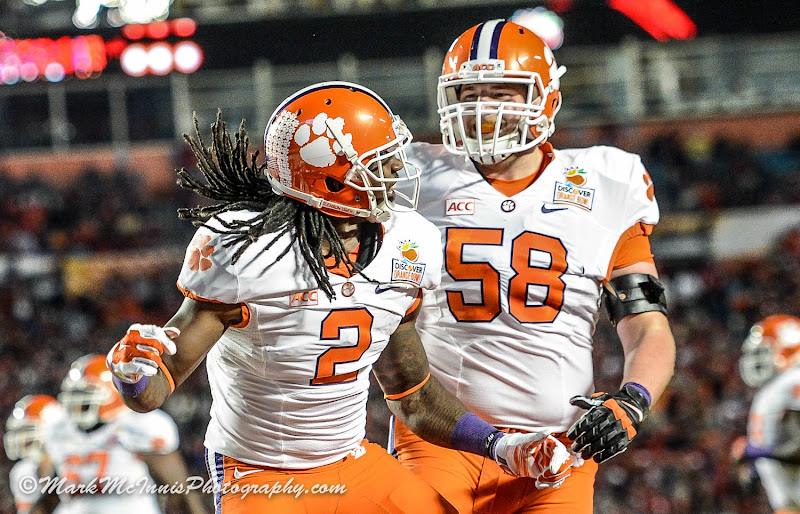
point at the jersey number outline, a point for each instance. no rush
(73, 462)
(361, 320)
(525, 275)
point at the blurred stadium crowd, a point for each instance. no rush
(79, 264)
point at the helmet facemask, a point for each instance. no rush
(512, 126)
(372, 174)
(83, 404)
(756, 365)
(22, 439)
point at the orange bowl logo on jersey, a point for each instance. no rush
(576, 176)
(571, 192)
(304, 298)
(459, 206)
(407, 270)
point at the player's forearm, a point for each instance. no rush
(649, 352)
(431, 413)
(147, 397)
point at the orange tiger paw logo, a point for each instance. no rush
(198, 255)
(651, 191)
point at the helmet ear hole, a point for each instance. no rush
(333, 185)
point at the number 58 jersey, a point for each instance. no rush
(509, 331)
(290, 383)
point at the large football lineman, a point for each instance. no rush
(770, 361)
(305, 276)
(532, 237)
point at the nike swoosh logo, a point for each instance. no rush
(239, 474)
(379, 289)
(545, 209)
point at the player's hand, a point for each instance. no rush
(610, 423)
(138, 354)
(539, 455)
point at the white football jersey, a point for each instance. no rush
(108, 457)
(290, 388)
(19, 480)
(764, 429)
(509, 331)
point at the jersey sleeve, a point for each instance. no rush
(207, 273)
(641, 199)
(19, 477)
(151, 432)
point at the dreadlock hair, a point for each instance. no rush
(238, 184)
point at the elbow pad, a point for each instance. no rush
(633, 294)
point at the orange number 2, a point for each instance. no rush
(332, 325)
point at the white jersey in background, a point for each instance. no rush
(21, 474)
(109, 455)
(290, 384)
(765, 430)
(509, 331)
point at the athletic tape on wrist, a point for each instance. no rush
(471, 434)
(642, 389)
(131, 390)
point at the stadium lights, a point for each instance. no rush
(87, 56)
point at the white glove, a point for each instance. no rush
(138, 354)
(538, 455)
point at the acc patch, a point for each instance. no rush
(304, 298)
(459, 206)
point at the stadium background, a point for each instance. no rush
(90, 242)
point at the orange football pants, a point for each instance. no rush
(477, 484)
(367, 481)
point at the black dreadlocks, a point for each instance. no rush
(237, 184)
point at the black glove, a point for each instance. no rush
(610, 423)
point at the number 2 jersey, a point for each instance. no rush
(290, 383)
(509, 331)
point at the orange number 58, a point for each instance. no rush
(525, 275)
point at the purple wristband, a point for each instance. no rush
(471, 434)
(641, 389)
(131, 390)
(754, 452)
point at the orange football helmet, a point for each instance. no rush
(88, 393)
(336, 146)
(772, 346)
(22, 437)
(498, 52)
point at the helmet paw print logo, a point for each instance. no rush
(197, 258)
(315, 141)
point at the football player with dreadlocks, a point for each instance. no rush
(532, 238)
(305, 276)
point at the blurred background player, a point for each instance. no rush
(100, 439)
(303, 278)
(22, 440)
(770, 361)
(533, 237)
